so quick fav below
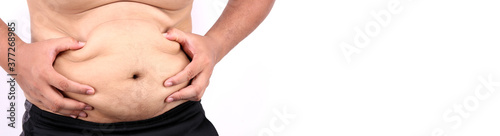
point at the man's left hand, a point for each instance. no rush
(203, 51)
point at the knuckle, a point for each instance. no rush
(75, 112)
(34, 92)
(35, 88)
(179, 97)
(63, 85)
(190, 74)
(198, 89)
(56, 106)
(197, 98)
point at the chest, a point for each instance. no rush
(78, 6)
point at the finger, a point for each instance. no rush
(192, 92)
(62, 83)
(176, 35)
(63, 44)
(182, 38)
(188, 73)
(73, 112)
(184, 94)
(55, 102)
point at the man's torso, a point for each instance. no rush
(125, 58)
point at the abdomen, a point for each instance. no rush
(126, 61)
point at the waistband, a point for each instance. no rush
(185, 118)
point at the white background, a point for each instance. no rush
(427, 60)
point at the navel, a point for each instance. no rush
(135, 76)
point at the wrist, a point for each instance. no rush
(219, 47)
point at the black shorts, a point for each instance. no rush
(187, 119)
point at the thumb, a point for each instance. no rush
(63, 44)
(176, 35)
(182, 38)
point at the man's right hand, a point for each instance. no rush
(42, 84)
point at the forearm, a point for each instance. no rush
(239, 19)
(8, 40)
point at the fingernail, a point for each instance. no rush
(82, 114)
(88, 107)
(81, 43)
(167, 84)
(90, 91)
(73, 116)
(164, 34)
(170, 99)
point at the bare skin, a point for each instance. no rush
(77, 22)
(125, 59)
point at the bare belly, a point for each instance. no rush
(126, 61)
